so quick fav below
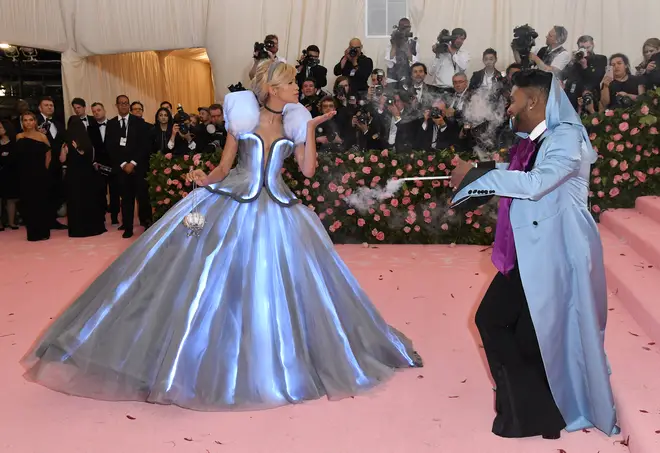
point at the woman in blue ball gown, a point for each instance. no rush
(258, 311)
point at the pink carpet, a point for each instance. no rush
(429, 292)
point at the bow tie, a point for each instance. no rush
(102, 124)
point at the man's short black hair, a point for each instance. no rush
(215, 107)
(78, 101)
(97, 104)
(121, 96)
(490, 51)
(513, 66)
(314, 48)
(534, 78)
(426, 71)
(459, 32)
(311, 79)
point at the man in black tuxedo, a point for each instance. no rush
(436, 133)
(80, 110)
(399, 121)
(103, 162)
(356, 66)
(309, 66)
(55, 132)
(127, 142)
(488, 77)
(423, 94)
(585, 72)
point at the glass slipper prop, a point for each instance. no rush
(194, 220)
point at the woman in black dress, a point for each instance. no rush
(33, 155)
(8, 175)
(84, 184)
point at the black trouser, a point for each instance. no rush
(524, 403)
(112, 184)
(134, 187)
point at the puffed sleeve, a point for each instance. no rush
(296, 117)
(241, 112)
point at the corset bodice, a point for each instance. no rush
(257, 170)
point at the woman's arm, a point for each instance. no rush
(306, 152)
(226, 161)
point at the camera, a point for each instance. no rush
(353, 51)
(581, 53)
(588, 98)
(180, 118)
(624, 101)
(309, 101)
(261, 49)
(362, 115)
(308, 60)
(378, 90)
(524, 39)
(443, 42)
(436, 113)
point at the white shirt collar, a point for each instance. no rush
(538, 131)
(123, 117)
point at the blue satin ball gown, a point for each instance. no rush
(258, 311)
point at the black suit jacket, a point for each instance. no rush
(137, 144)
(444, 140)
(318, 73)
(100, 152)
(55, 142)
(359, 82)
(407, 130)
(478, 78)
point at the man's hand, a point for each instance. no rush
(129, 168)
(394, 110)
(459, 173)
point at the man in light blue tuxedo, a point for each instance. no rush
(542, 320)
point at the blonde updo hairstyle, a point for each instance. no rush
(264, 80)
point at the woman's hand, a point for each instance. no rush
(64, 153)
(198, 177)
(651, 66)
(321, 119)
(175, 130)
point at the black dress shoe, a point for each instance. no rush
(121, 227)
(58, 226)
(552, 436)
(12, 227)
(127, 234)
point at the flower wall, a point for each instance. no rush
(628, 167)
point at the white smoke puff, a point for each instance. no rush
(484, 107)
(365, 197)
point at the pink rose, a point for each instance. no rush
(399, 172)
(451, 212)
(477, 212)
(468, 221)
(444, 227)
(592, 136)
(338, 161)
(610, 146)
(609, 112)
(635, 131)
(380, 236)
(176, 167)
(427, 196)
(638, 158)
(414, 191)
(629, 145)
(417, 228)
(384, 153)
(306, 182)
(645, 109)
(332, 186)
(432, 205)
(641, 177)
(316, 185)
(469, 214)
(361, 222)
(351, 156)
(394, 162)
(366, 170)
(429, 158)
(160, 202)
(158, 189)
(488, 230)
(608, 128)
(601, 194)
(329, 211)
(406, 229)
(625, 116)
(305, 192)
(377, 218)
(387, 212)
(322, 215)
(168, 156)
(595, 208)
(653, 131)
(408, 167)
(427, 213)
(476, 225)
(650, 171)
(186, 157)
(624, 126)
(614, 191)
(597, 180)
(614, 163)
(595, 122)
(617, 137)
(320, 199)
(406, 200)
(623, 166)
(422, 172)
(325, 168)
(167, 171)
(454, 161)
(420, 163)
(617, 179)
(166, 201)
(595, 172)
(442, 167)
(625, 176)
(373, 158)
(394, 202)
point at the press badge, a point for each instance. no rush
(353, 72)
(122, 141)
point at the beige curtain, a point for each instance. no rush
(229, 28)
(148, 77)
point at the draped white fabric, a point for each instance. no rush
(229, 28)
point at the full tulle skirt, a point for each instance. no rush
(257, 312)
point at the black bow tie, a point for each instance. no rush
(102, 124)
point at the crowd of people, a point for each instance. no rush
(96, 165)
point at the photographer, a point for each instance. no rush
(378, 85)
(328, 134)
(356, 67)
(400, 53)
(399, 121)
(215, 129)
(650, 67)
(553, 57)
(182, 140)
(489, 77)
(367, 132)
(619, 88)
(450, 58)
(438, 132)
(268, 49)
(586, 103)
(309, 65)
(309, 96)
(585, 71)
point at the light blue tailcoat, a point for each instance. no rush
(560, 258)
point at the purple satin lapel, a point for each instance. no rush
(504, 250)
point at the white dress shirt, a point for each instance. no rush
(53, 128)
(392, 61)
(125, 119)
(102, 127)
(444, 68)
(85, 121)
(538, 131)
